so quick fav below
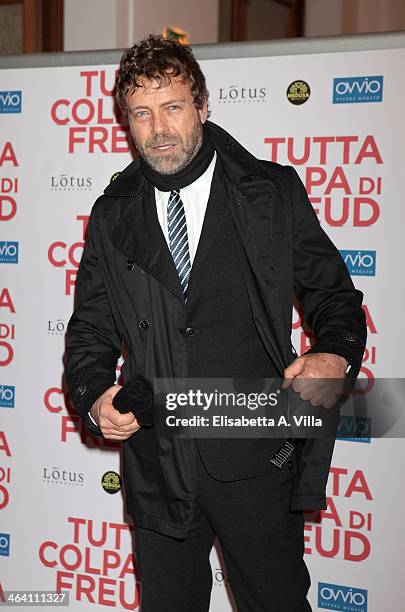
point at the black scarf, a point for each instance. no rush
(189, 174)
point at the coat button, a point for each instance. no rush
(189, 331)
(143, 324)
(350, 338)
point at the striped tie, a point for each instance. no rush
(178, 239)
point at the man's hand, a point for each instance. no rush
(113, 424)
(317, 377)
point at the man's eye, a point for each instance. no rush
(173, 107)
(141, 114)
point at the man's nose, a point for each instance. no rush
(159, 123)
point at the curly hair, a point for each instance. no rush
(159, 58)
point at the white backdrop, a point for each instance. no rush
(58, 526)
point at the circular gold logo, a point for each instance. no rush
(111, 482)
(298, 92)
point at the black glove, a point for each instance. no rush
(136, 396)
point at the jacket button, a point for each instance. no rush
(189, 331)
(143, 324)
(350, 338)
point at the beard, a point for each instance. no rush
(179, 159)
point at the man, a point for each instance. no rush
(192, 259)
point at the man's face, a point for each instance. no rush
(166, 126)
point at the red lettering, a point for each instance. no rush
(70, 281)
(69, 425)
(7, 155)
(57, 263)
(331, 513)
(305, 155)
(314, 177)
(42, 548)
(359, 203)
(346, 140)
(103, 87)
(75, 138)
(369, 149)
(9, 353)
(349, 555)
(85, 221)
(5, 498)
(119, 135)
(6, 301)
(78, 106)
(336, 473)
(4, 444)
(274, 142)
(323, 141)
(88, 75)
(55, 107)
(338, 180)
(97, 138)
(369, 320)
(10, 203)
(358, 484)
(336, 221)
(47, 399)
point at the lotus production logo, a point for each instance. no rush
(298, 92)
(235, 94)
(60, 476)
(65, 182)
(111, 482)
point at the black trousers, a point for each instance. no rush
(262, 544)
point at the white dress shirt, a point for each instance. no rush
(195, 200)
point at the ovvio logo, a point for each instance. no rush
(10, 101)
(4, 545)
(340, 597)
(360, 263)
(7, 396)
(354, 428)
(8, 252)
(349, 90)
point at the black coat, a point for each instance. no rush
(283, 252)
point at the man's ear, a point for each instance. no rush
(203, 112)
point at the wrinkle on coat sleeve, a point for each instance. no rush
(323, 286)
(93, 344)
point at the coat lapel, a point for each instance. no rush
(213, 219)
(138, 233)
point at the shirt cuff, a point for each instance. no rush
(89, 413)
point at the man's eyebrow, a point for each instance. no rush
(167, 103)
(173, 101)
